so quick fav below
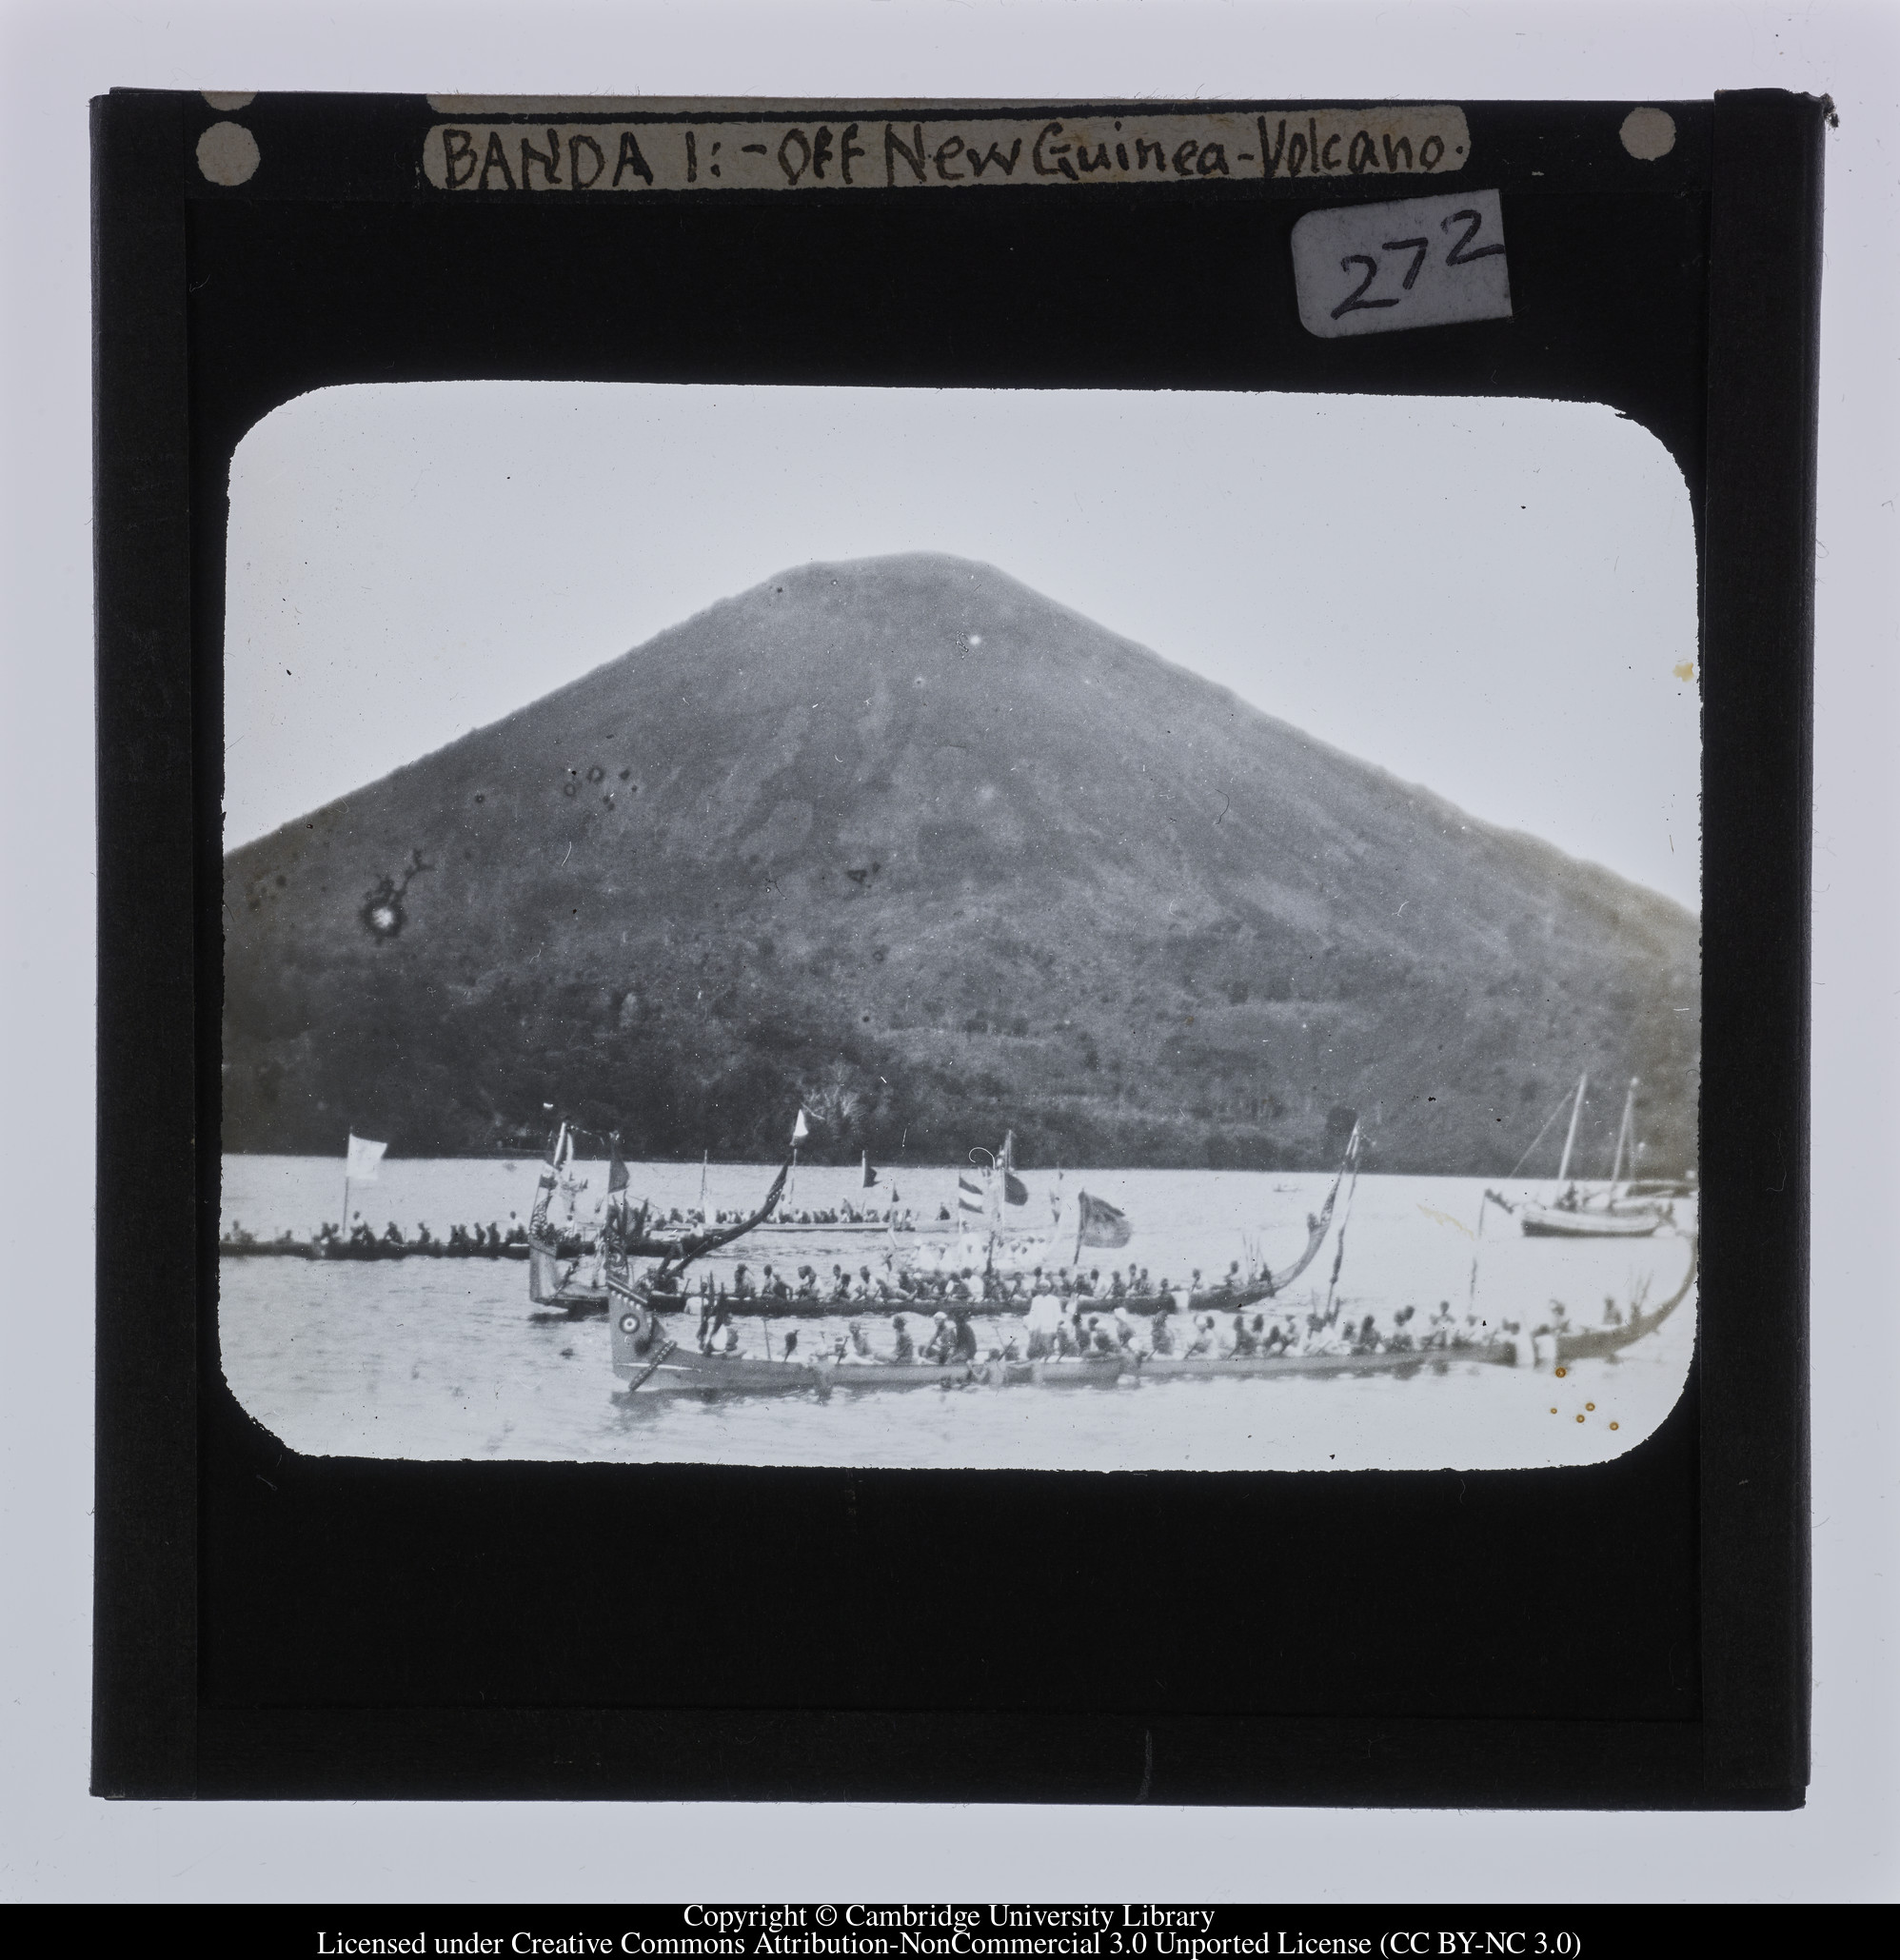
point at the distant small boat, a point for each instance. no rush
(1661, 1187)
(832, 1228)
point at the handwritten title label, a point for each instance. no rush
(867, 152)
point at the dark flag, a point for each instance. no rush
(616, 1182)
(1014, 1190)
(870, 1174)
(1101, 1224)
(613, 1225)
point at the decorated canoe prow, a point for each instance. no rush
(554, 1278)
(1590, 1343)
(554, 1281)
(1269, 1283)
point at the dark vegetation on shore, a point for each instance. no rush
(911, 843)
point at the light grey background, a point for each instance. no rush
(56, 1842)
(1495, 599)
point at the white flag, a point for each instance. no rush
(363, 1158)
(801, 1129)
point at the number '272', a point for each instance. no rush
(1462, 254)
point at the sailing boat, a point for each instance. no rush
(1607, 1213)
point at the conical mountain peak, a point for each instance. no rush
(906, 821)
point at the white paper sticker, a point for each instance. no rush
(1383, 268)
(689, 146)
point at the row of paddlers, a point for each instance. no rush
(667, 1366)
(374, 1249)
(584, 1305)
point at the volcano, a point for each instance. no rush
(912, 844)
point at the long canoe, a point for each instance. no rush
(788, 1228)
(347, 1250)
(676, 1370)
(671, 1368)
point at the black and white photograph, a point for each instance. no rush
(954, 933)
(909, 928)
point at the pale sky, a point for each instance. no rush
(1492, 598)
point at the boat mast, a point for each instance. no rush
(996, 1191)
(801, 1130)
(1570, 1140)
(1345, 1219)
(1625, 1134)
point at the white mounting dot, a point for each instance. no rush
(227, 99)
(228, 153)
(1648, 133)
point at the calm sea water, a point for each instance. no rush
(434, 1358)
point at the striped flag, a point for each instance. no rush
(970, 1195)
